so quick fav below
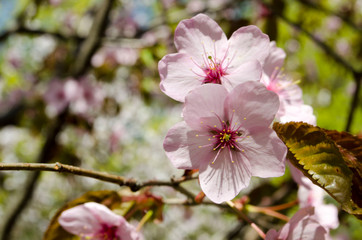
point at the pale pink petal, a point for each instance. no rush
(265, 151)
(203, 105)
(298, 176)
(128, 232)
(327, 215)
(275, 59)
(182, 147)
(223, 180)
(104, 215)
(303, 225)
(272, 234)
(248, 43)
(254, 105)
(312, 196)
(302, 112)
(200, 35)
(248, 71)
(80, 220)
(179, 75)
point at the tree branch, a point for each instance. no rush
(106, 177)
(80, 65)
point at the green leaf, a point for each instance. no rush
(320, 159)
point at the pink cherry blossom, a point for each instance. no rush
(303, 225)
(205, 55)
(89, 96)
(95, 221)
(227, 137)
(59, 94)
(288, 91)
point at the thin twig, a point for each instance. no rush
(246, 218)
(267, 212)
(111, 178)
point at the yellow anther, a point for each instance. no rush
(199, 146)
(209, 139)
(244, 118)
(243, 150)
(233, 110)
(197, 135)
(214, 125)
(201, 122)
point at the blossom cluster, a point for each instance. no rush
(232, 90)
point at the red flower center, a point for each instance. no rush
(213, 70)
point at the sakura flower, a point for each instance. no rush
(303, 225)
(227, 137)
(95, 221)
(205, 55)
(288, 91)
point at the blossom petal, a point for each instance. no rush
(254, 105)
(80, 220)
(182, 147)
(248, 43)
(200, 35)
(179, 75)
(248, 71)
(223, 180)
(275, 59)
(266, 152)
(104, 215)
(204, 104)
(128, 232)
(303, 225)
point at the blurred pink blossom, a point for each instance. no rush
(114, 56)
(288, 91)
(97, 222)
(227, 137)
(205, 55)
(88, 97)
(59, 94)
(303, 225)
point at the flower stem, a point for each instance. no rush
(145, 218)
(267, 211)
(245, 218)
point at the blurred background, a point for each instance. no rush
(79, 85)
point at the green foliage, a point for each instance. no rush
(322, 161)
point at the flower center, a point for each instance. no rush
(227, 136)
(109, 233)
(213, 70)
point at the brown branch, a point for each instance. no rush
(106, 177)
(355, 100)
